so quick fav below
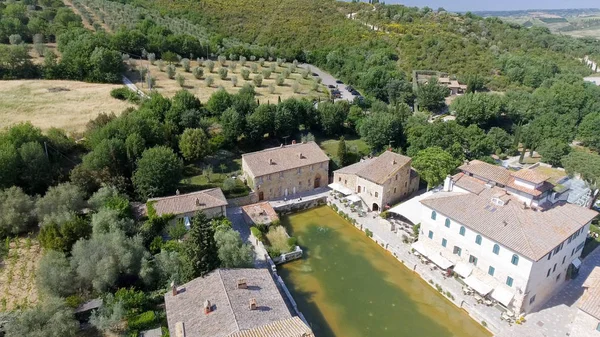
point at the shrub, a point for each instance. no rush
(280, 80)
(384, 215)
(171, 71)
(245, 73)
(257, 233)
(305, 73)
(243, 60)
(15, 39)
(229, 184)
(180, 80)
(261, 61)
(416, 228)
(484, 323)
(368, 232)
(254, 67)
(431, 281)
(222, 60)
(152, 58)
(222, 73)
(185, 63)
(314, 86)
(276, 223)
(285, 73)
(161, 65)
(234, 80)
(210, 65)
(233, 66)
(292, 242)
(142, 321)
(296, 87)
(257, 80)
(439, 288)
(209, 80)
(334, 206)
(198, 72)
(280, 62)
(266, 73)
(273, 252)
(271, 88)
(120, 93)
(272, 66)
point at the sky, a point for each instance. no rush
(494, 5)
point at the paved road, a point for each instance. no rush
(328, 79)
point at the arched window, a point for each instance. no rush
(447, 224)
(478, 240)
(433, 215)
(462, 231)
(496, 249)
(515, 260)
(376, 194)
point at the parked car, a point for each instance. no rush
(331, 86)
(349, 88)
(339, 82)
(315, 74)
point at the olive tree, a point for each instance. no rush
(16, 211)
(180, 80)
(185, 63)
(198, 72)
(222, 73)
(234, 80)
(233, 253)
(210, 65)
(257, 80)
(209, 80)
(171, 71)
(50, 318)
(158, 172)
(245, 73)
(266, 73)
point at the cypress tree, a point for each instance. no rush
(200, 247)
(342, 152)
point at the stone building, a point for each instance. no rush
(231, 303)
(379, 181)
(286, 170)
(587, 320)
(211, 201)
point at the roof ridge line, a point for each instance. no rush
(229, 301)
(182, 195)
(522, 231)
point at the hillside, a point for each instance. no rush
(321, 32)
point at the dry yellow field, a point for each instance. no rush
(17, 274)
(168, 87)
(64, 104)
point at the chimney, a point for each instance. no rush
(242, 284)
(197, 202)
(177, 192)
(207, 307)
(448, 184)
(281, 145)
(300, 155)
(525, 205)
(270, 161)
(293, 142)
(393, 162)
(174, 288)
(253, 305)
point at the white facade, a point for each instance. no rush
(528, 280)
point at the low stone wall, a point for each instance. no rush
(251, 198)
(300, 205)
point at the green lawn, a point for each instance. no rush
(357, 148)
(212, 172)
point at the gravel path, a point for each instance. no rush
(328, 79)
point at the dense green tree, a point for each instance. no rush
(232, 252)
(434, 164)
(110, 197)
(400, 91)
(381, 129)
(194, 144)
(16, 211)
(219, 102)
(342, 152)
(9, 165)
(109, 220)
(158, 172)
(332, 117)
(431, 96)
(477, 108)
(553, 150)
(54, 276)
(233, 125)
(35, 173)
(102, 260)
(50, 318)
(135, 145)
(589, 131)
(500, 139)
(200, 248)
(285, 121)
(61, 234)
(60, 199)
(260, 122)
(170, 267)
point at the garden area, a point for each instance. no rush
(220, 170)
(592, 242)
(275, 238)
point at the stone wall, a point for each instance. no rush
(297, 206)
(251, 198)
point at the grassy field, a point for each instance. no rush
(17, 274)
(356, 147)
(64, 104)
(168, 87)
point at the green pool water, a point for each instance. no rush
(348, 286)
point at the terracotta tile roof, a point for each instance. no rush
(470, 184)
(284, 158)
(378, 169)
(590, 300)
(535, 192)
(231, 306)
(190, 202)
(292, 327)
(531, 176)
(490, 172)
(531, 233)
